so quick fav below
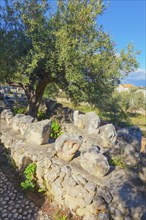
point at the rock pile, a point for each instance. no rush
(76, 170)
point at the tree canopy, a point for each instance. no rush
(64, 48)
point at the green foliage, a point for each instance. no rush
(41, 190)
(28, 185)
(63, 48)
(117, 161)
(60, 216)
(132, 100)
(55, 129)
(112, 110)
(29, 172)
(30, 179)
(51, 90)
(19, 110)
(41, 115)
(117, 108)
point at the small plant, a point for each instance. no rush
(117, 161)
(29, 183)
(59, 216)
(41, 115)
(21, 110)
(55, 130)
(30, 179)
(41, 190)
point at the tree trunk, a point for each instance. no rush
(35, 98)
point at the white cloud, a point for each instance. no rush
(137, 78)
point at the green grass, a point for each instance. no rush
(117, 161)
(81, 107)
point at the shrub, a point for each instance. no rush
(117, 161)
(30, 183)
(20, 110)
(41, 115)
(55, 130)
(29, 172)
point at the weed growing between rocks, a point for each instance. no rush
(56, 130)
(19, 110)
(30, 183)
(29, 172)
(117, 161)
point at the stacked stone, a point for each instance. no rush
(75, 169)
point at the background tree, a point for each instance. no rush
(65, 49)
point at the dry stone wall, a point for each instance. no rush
(76, 169)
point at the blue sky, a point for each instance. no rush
(125, 21)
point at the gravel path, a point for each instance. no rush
(13, 204)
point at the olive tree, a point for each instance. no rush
(64, 48)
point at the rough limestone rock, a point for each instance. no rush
(15, 122)
(94, 162)
(9, 117)
(38, 132)
(4, 112)
(66, 146)
(2, 105)
(133, 131)
(129, 144)
(118, 195)
(142, 166)
(108, 134)
(78, 119)
(24, 123)
(91, 122)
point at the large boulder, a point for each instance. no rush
(2, 105)
(94, 162)
(129, 132)
(24, 123)
(38, 132)
(67, 145)
(4, 112)
(9, 117)
(129, 144)
(78, 119)
(108, 135)
(89, 121)
(15, 122)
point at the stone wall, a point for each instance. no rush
(76, 169)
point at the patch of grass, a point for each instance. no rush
(19, 110)
(117, 161)
(82, 107)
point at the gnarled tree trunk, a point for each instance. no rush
(35, 97)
